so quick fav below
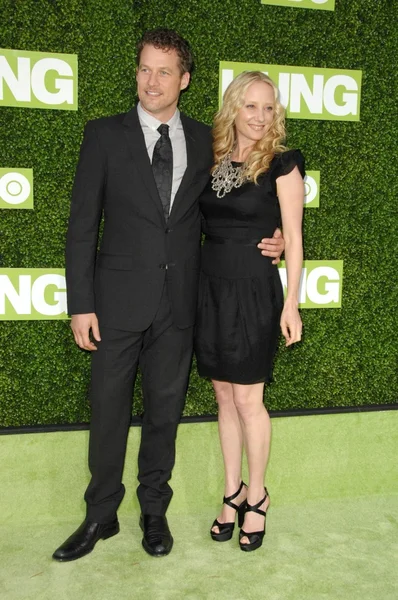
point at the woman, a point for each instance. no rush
(255, 184)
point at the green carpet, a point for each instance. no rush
(331, 532)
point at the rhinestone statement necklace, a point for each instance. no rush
(225, 177)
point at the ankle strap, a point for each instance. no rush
(256, 507)
(227, 500)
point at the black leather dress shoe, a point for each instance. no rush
(157, 540)
(83, 540)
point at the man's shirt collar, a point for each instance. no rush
(153, 123)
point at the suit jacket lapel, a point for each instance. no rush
(136, 142)
(191, 165)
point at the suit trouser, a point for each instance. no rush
(164, 354)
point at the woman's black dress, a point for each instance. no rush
(240, 295)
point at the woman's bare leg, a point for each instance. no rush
(256, 428)
(231, 440)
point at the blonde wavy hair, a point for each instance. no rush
(224, 133)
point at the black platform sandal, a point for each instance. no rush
(256, 537)
(225, 530)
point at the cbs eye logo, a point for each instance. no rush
(16, 188)
(311, 189)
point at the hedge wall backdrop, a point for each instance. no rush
(348, 355)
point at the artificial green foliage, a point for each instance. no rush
(348, 356)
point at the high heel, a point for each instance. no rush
(225, 530)
(256, 537)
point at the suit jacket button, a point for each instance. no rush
(162, 266)
(168, 230)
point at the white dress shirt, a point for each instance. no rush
(149, 126)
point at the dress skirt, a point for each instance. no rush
(239, 308)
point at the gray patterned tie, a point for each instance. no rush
(162, 167)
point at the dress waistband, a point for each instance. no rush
(221, 240)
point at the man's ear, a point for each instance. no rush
(185, 81)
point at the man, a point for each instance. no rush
(134, 302)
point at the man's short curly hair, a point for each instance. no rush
(167, 39)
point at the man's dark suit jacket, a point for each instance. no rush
(123, 282)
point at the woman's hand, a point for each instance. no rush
(291, 324)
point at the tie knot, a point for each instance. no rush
(163, 129)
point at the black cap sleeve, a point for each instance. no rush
(285, 163)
